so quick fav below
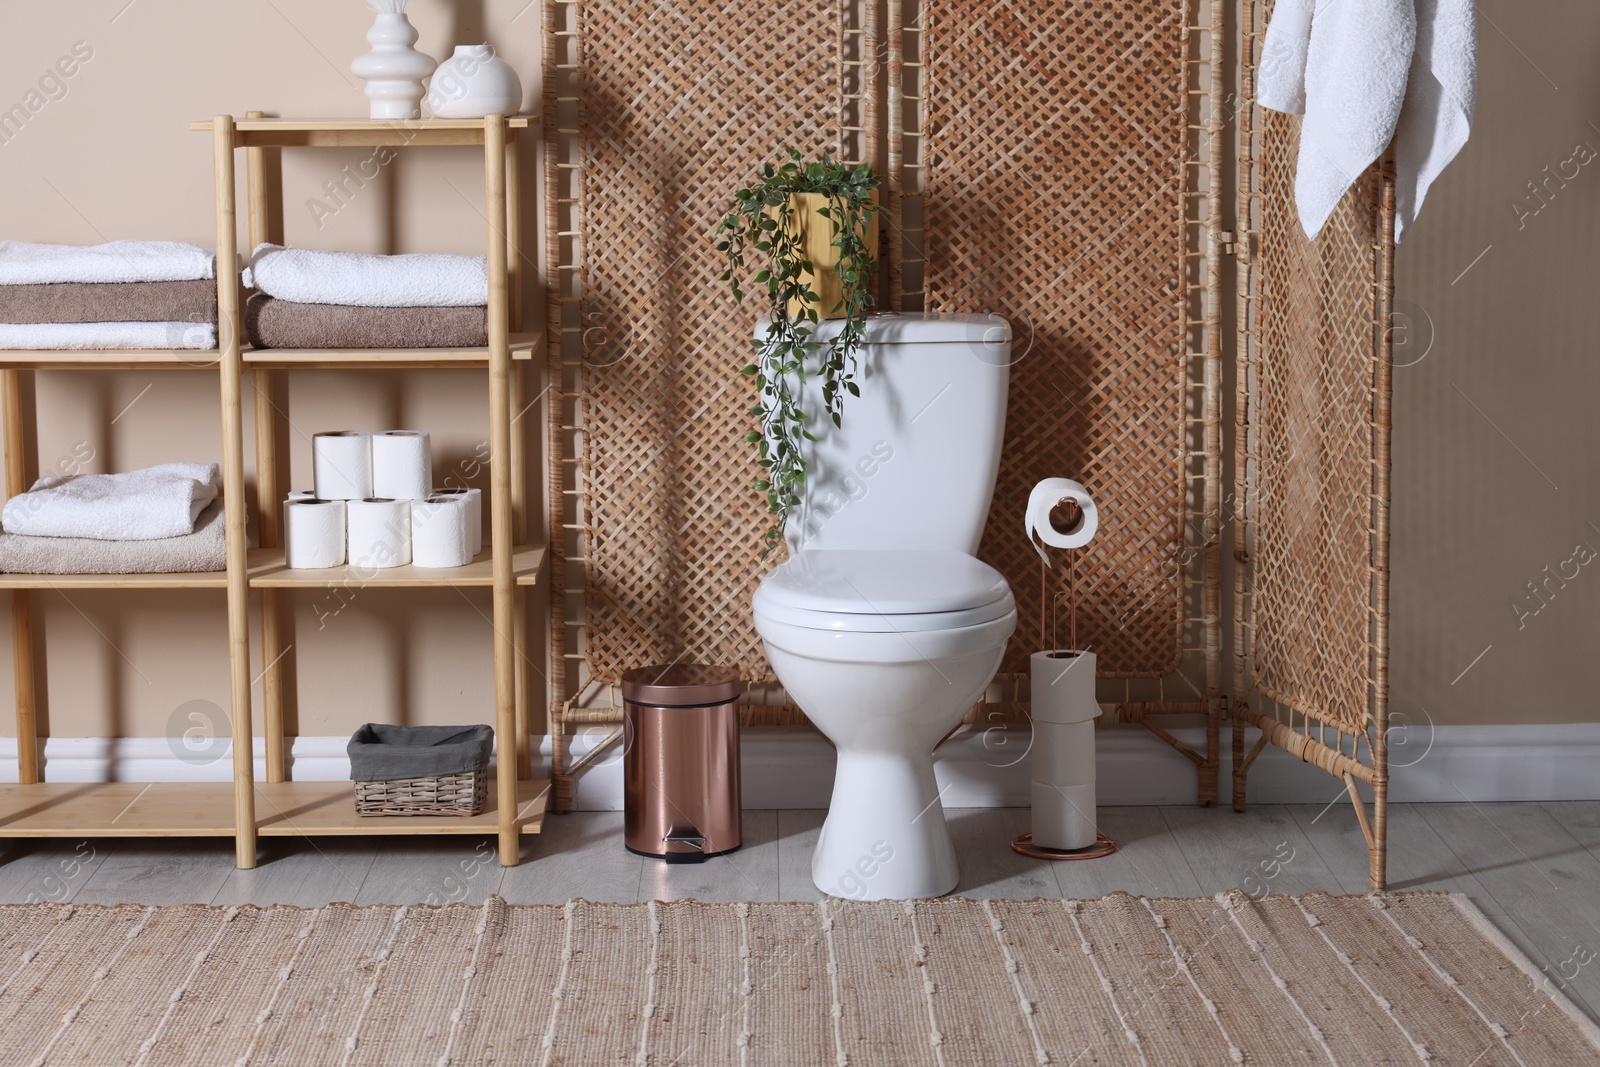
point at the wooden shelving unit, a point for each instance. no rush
(246, 809)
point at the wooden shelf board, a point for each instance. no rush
(205, 809)
(186, 580)
(528, 345)
(516, 122)
(111, 359)
(313, 809)
(524, 346)
(328, 133)
(117, 809)
(267, 571)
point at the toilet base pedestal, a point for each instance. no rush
(885, 837)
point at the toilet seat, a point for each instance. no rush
(883, 591)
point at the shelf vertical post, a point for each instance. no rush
(500, 502)
(515, 393)
(269, 490)
(19, 431)
(244, 799)
(514, 271)
(519, 450)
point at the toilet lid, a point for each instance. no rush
(883, 590)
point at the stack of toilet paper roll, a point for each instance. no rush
(374, 506)
(1064, 711)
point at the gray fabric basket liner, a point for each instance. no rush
(383, 753)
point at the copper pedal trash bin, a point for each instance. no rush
(681, 761)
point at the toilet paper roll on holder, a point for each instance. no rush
(1065, 516)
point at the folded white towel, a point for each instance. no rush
(1365, 72)
(118, 261)
(102, 335)
(159, 501)
(427, 280)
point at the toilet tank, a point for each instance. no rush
(914, 464)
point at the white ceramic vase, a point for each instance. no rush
(393, 70)
(472, 83)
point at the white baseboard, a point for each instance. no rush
(792, 767)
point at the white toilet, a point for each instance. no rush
(882, 625)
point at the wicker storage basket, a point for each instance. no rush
(443, 794)
(387, 764)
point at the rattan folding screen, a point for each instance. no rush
(1057, 162)
(1311, 465)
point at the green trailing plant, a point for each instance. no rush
(761, 224)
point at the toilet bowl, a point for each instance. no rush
(885, 652)
(883, 626)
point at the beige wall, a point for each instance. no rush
(1475, 517)
(1496, 438)
(113, 158)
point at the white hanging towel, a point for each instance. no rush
(1364, 73)
(1440, 98)
(141, 505)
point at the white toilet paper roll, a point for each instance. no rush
(1061, 686)
(314, 533)
(380, 533)
(439, 532)
(342, 463)
(1063, 752)
(1063, 815)
(1045, 496)
(402, 465)
(283, 511)
(474, 501)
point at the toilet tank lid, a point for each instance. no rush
(883, 581)
(901, 328)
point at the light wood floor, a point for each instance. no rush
(1533, 868)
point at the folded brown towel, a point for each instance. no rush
(204, 550)
(273, 323)
(109, 302)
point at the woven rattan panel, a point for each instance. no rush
(1312, 441)
(677, 109)
(1055, 194)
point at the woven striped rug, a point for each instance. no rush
(1405, 978)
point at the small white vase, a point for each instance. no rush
(393, 70)
(472, 83)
